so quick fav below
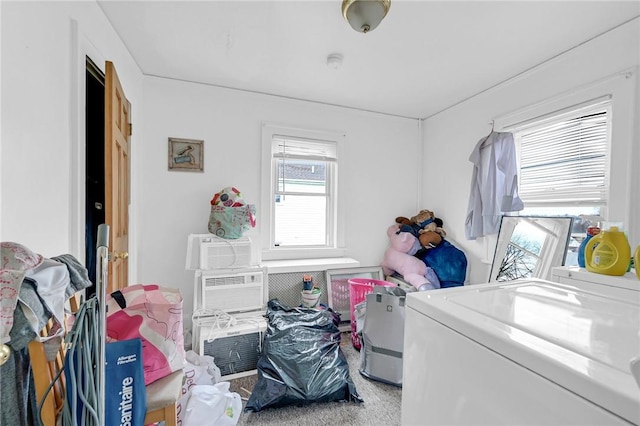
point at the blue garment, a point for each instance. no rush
(448, 262)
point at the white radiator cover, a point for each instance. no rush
(285, 277)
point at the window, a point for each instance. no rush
(300, 170)
(564, 167)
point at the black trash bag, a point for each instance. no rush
(301, 360)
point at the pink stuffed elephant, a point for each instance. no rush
(399, 258)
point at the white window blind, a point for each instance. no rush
(564, 161)
(284, 147)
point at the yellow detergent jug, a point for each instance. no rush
(608, 253)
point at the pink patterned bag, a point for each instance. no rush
(153, 314)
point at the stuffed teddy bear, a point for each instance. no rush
(425, 226)
(429, 239)
(399, 258)
(439, 229)
(420, 223)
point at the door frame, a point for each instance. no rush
(81, 48)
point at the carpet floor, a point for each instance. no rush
(381, 406)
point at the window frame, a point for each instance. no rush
(335, 208)
(620, 88)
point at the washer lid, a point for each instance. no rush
(583, 341)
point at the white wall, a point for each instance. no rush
(42, 166)
(43, 48)
(42, 163)
(378, 171)
(451, 135)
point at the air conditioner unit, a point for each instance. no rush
(236, 348)
(231, 291)
(208, 252)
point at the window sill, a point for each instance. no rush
(308, 265)
(302, 253)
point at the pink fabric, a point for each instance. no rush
(17, 257)
(16, 261)
(10, 282)
(153, 314)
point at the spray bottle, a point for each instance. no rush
(591, 231)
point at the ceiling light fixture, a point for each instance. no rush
(365, 15)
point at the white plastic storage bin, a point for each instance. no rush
(209, 252)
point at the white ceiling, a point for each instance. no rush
(423, 58)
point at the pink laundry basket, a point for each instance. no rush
(358, 290)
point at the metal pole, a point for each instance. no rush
(102, 250)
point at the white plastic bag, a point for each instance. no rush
(199, 370)
(211, 405)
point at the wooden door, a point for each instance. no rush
(117, 167)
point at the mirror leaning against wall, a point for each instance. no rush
(529, 246)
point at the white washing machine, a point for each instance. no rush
(528, 352)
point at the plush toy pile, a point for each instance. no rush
(425, 226)
(419, 252)
(399, 257)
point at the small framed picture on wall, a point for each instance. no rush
(186, 154)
